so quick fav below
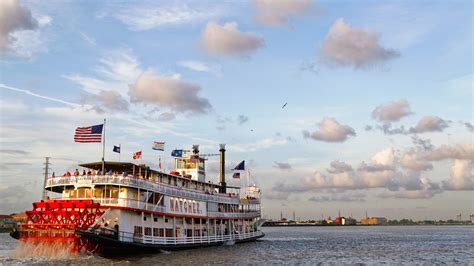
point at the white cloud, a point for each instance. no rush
(461, 176)
(170, 92)
(149, 16)
(38, 95)
(392, 112)
(228, 40)
(456, 151)
(201, 67)
(13, 18)
(349, 46)
(385, 157)
(412, 161)
(331, 131)
(278, 12)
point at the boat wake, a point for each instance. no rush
(47, 249)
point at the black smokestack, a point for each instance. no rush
(222, 189)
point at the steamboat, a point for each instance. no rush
(117, 208)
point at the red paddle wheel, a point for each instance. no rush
(57, 220)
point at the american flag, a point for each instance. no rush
(89, 134)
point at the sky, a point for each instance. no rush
(377, 95)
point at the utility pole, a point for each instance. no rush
(46, 174)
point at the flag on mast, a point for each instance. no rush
(240, 166)
(116, 149)
(89, 134)
(137, 155)
(158, 145)
(236, 175)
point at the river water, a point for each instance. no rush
(293, 245)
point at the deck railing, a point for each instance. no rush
(88, 180)
(161, 240)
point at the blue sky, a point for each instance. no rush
(383, 91)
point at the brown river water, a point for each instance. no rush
(424, 245)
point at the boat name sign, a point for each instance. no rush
(185, 206)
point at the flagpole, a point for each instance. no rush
(103, 149)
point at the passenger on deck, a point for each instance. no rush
(89, 172)
(83, 172)
(109, 172)
(68, 173)
(124, 174)
(53, 175)
(76, 173)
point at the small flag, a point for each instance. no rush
(240, 166)
(159, 163)
(236, 175)
(158, 146)
(88, 134)
(194, 158)
(116, 149)
(177, 153)
(137, 155)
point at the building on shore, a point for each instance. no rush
(374, 221)
(6, 222)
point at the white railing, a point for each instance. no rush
(234, 214)
(160, 240)
(129, 203)
(176, 191)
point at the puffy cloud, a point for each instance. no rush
(275, 195)
(457, 151)
(385, 157)
(349, 46)
(392, 112)
(430, 124)
(13, 18)
(461, 176)
(242, 119)
(412, 161)
(109, 99)
(282, 166)
(331, 131)
(278, 12)
(168, 91)
(228, 40)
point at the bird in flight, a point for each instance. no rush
(284, 105)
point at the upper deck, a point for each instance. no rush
(143, 178)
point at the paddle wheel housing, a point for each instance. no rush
(57, 220)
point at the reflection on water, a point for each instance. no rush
(301, 245)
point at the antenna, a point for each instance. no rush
(46, 174)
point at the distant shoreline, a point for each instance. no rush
(359, 225)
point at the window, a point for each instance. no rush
(166, 220)
(148, 231)
(156, 231)
(137, 231)
(144, 218)
(155, 219)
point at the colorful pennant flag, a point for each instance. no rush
(177, 153)
(158, 146)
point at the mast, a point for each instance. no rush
(103, 149)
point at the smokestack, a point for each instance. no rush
(222, 189)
